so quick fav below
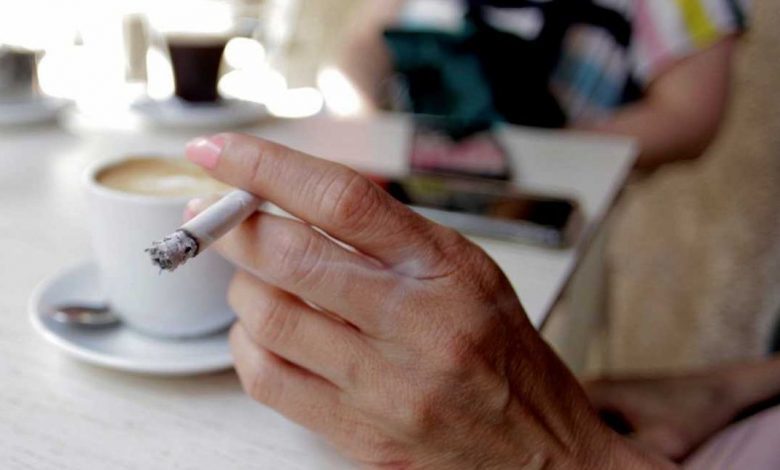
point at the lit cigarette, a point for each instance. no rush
(196, 235)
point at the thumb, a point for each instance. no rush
(198, 205)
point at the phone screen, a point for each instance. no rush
(487, 208)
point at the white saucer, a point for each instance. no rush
(175, 113)
(119, 347)
(32, 111)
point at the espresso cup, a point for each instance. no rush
(196, 60)
(18, 75)
(124, 221)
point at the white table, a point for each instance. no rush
(56, 413)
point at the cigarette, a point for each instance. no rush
(197, 234)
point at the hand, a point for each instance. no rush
(396, 339)
(671, 415)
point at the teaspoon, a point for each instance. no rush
(84, 315)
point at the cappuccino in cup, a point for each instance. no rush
(159, 177)
(133, 202)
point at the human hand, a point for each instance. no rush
(668, 415)
(410, 350)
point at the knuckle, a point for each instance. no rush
(450, 239)
(296, 256)
(472, 266)
(420, 415)
(264, 385)
(234, 339)
(491, 284)
(489, 273)
(381, 450)
(241, 291)
(355, 371)
(477, 347)
(416, 403)
(259, 166)
(452, 251)
(370, 447)
(450, 242)
(457, 353)
(234, 294)
(349, 198)
(272, 322)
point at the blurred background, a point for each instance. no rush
(105, 55)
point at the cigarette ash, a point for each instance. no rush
(173, 250)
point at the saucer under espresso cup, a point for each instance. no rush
(177, 113)
(119, 347)
(21, 102)
(35, 110)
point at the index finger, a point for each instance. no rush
(325, 194)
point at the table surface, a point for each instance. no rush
(58, 413)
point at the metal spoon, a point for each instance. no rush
(84, 315)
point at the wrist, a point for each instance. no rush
(623, 454)
(730, 391)
(600, 448)
(617, 454)
(593, 447)
(748, 385)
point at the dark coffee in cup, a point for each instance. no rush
(196, 60)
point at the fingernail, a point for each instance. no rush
(194, 207)
(205, 151)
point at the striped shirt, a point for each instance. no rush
(594, 70)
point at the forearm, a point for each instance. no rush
(366, 63)
(600, 448)
(577, 437)
(365, 59)
(597, 448)
(681, 111)
(663, 135)
(751, 384)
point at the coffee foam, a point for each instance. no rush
(162, 177)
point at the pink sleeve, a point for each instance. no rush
(667, 30)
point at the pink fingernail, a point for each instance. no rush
(205, 151)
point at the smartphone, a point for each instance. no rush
(452, 147)
(489, 208)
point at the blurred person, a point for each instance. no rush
(655, 70)
(404, 346)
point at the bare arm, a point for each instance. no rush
(682, 110)
(750, 386)
(365, 58)
(673, 414)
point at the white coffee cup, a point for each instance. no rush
(189, 302)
